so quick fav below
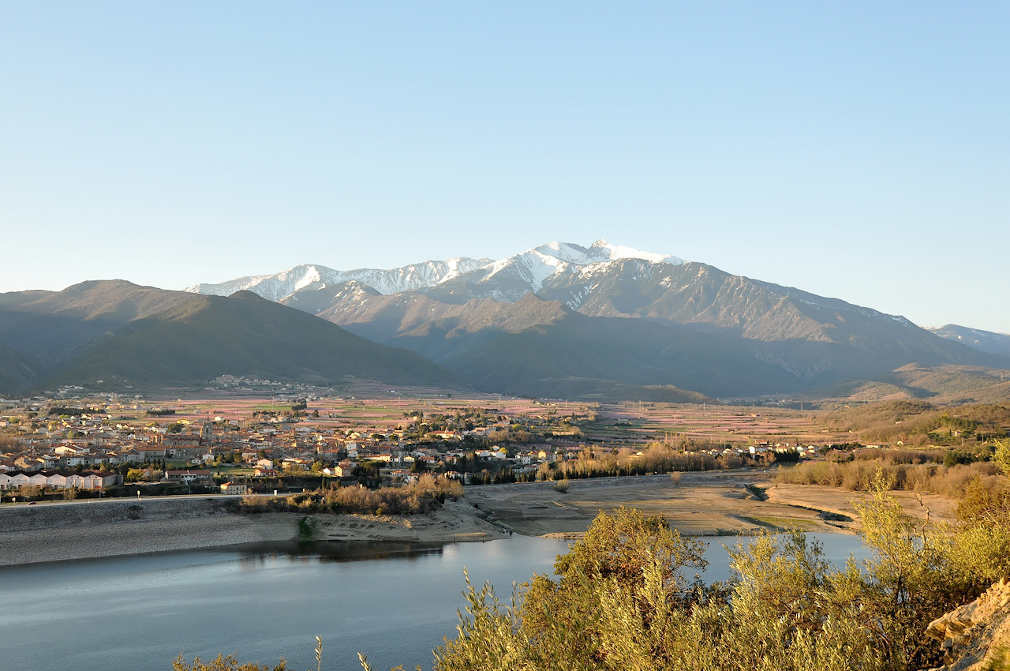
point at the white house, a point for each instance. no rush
(56, 481)
(99, 481)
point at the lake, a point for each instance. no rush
(392, 601)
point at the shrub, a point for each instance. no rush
(860, 474)
(619, 600)
(425, 495)
(222, 663)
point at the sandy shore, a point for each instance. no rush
(700, 504)
(843, 502)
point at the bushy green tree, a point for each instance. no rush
(621, 599)
(1001, 456)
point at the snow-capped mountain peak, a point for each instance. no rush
(535, 266)
(523, 272)
(280, 286)
(601, 249)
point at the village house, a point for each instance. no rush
(234, 488)
(344, 469)
(189, 477)
(57, 480)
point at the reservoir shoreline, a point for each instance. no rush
(696, 504)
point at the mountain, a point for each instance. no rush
(118, 331)
(16, 372)
(984, 341)
(530, 271)
(308, 278)
(507, 279)
(563, 319)
(640, 324)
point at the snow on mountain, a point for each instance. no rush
(535, 266)
(506, 279)
(282, 285)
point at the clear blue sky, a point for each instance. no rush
(860, 151)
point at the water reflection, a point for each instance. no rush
(337, 551)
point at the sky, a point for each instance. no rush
(858, 150)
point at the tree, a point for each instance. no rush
(1001, 457)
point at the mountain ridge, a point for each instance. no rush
(984, 341)
(533, 266)
(560, 320)
(574, 304)
(132, 334)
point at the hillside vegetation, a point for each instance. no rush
(121, 332)
(916, 423)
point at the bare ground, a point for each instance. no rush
(701, 504)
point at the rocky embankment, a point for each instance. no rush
(976, 636)
(95, 529)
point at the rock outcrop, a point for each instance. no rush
(976, 636)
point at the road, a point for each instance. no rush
(130, 499)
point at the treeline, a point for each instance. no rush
(911, 470)
(859, 476)
(426, 494)
(656, 458)
(69, 411)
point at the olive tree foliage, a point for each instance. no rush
(1001, 456)
(627, 597)
(223, 663)
(622, 598)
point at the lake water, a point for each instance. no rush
(393, 602)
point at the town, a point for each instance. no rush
(65, 448)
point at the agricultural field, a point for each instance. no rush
(343, 413)
(708, 423)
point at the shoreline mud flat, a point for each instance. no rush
(699, 504)
(712, 503)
